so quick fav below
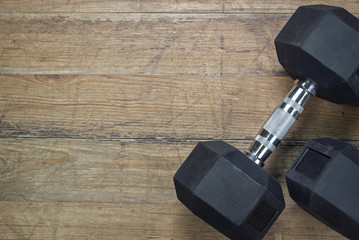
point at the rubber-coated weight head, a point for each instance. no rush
(322, 43)
(324, 181)
(230, 192)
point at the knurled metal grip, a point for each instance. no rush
(281, 121)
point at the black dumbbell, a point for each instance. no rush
(229, 190)
(324, 181)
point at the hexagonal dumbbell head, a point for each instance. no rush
(230, 192)
(322, 43)
(324, 181)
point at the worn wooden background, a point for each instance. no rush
(101, 101)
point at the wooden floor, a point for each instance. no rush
(101, 101)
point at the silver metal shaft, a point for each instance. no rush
(281, 121)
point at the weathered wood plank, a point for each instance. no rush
(172, 6)
(135, 221)
(146, 44)
(95, 171)
(158, 107)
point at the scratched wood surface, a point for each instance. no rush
(169, 6)
(101, 101)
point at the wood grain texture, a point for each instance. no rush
(116, 189)
(140, 44)
(146, 44)
(170, 6)
(82, 170)
(179, 107)
(128, 221)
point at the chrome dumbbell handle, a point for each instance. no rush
(281, 121)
